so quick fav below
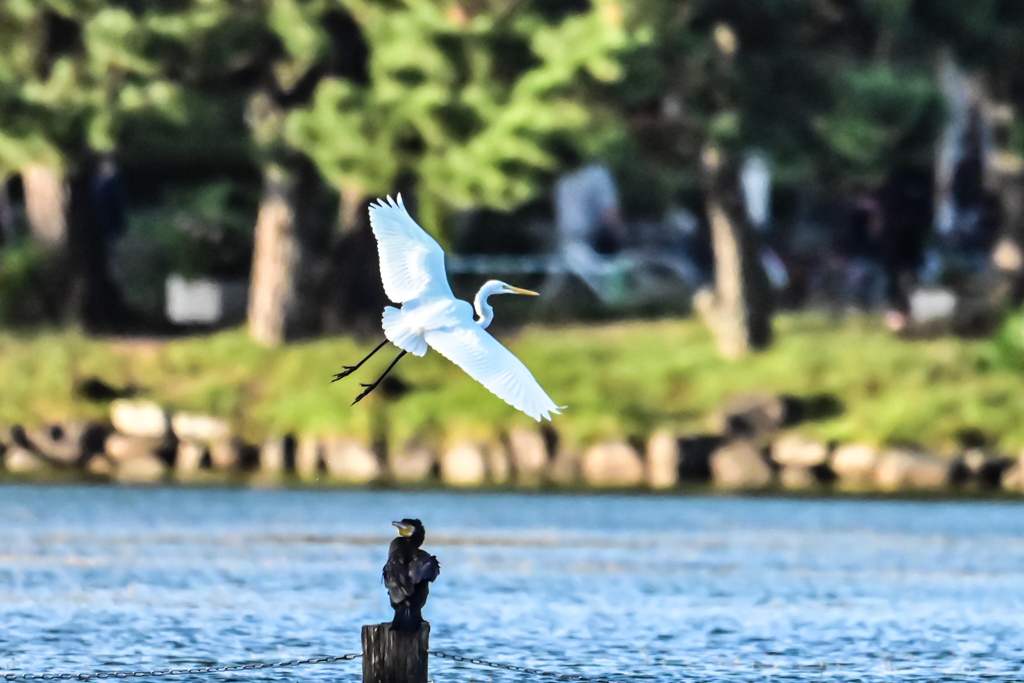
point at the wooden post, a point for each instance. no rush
(393, 657)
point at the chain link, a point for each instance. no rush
(520, 669)
(818, 666)
(174, 672)
(348, 657)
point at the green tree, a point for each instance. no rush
(723, 76)
(311, 41)
(458, 104)
(71, 73)
(464, 103)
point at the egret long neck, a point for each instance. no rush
(484, 311)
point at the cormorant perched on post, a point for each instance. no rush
(407, 575)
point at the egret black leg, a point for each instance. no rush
(371, 387)
(349, 369)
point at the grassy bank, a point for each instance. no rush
(618, 380)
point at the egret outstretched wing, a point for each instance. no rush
(488, 362)
(411, 261)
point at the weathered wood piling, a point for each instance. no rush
(395, 657)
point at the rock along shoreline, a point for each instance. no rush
(752, 449)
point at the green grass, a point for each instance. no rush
(619, 380)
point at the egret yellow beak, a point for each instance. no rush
(403, 529)
(519, 290)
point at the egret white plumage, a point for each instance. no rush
(412, 270)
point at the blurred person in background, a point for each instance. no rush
(588, 221)
(756, 181)
(860, 251)
(906, 202)
(109, 201)
(587, 209)
(969, 215)
(105, 309)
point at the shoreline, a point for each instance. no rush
(774, 460)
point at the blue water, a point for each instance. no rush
(653, 588)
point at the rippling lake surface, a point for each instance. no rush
(619, 587)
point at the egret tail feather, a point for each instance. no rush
(401, 333)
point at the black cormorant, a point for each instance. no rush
(407, 575)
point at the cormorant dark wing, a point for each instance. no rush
(423, 567)
(397, 580)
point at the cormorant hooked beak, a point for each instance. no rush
(404, 529)
(519, 290)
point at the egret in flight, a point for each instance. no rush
(412, 270)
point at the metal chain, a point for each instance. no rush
(820, 666)
(520, 669)
(174, 672)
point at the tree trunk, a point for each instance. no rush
(352, 294)
(276, 250)
(48, 194)
(46, 203)
(739, 310)
(6, 214)
(354, 203)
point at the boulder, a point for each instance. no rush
(59, 443)
(739, 465)
(349, 461)
(977, 467)
(192, 457)
(1013, 478)
(60, 450)
(139, 418)
(413, 464)
(797, 477)
(225, 455)
(463, 464)
(798, 450)
(18, 460)
(124, 447)
(199, 427)
(754, 416)
(100, 466)
(273, 456)
(498, 466)
(854, 464)
(565, 467)
(899, 469)
(141, 469)
(613, 464)
(308, 460)
(529, 456)
(662, 460)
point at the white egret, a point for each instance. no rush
(412, 270)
